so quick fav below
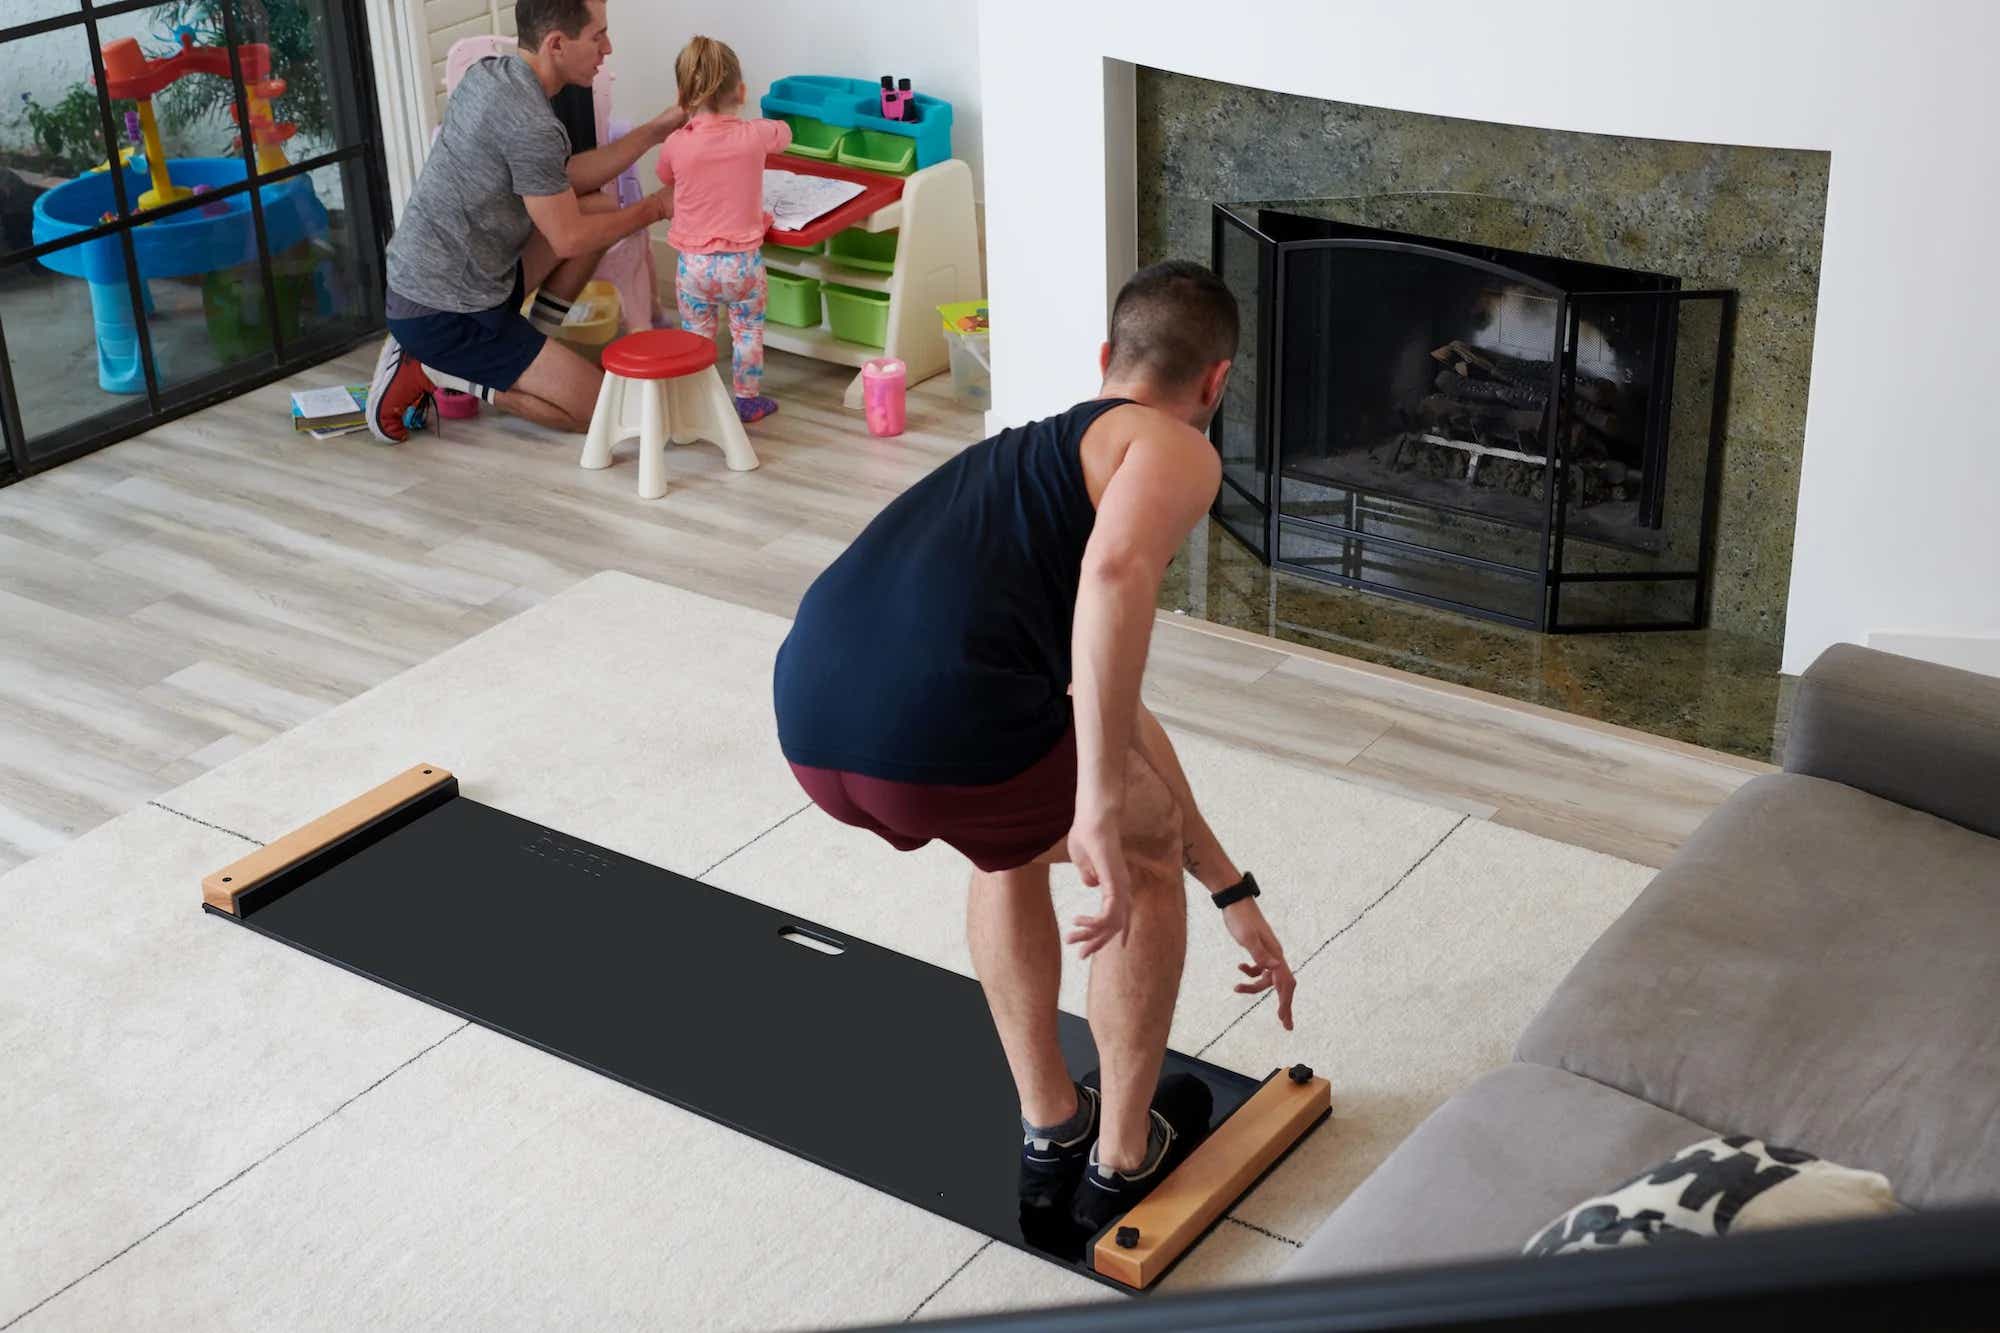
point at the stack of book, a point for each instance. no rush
(325, 413)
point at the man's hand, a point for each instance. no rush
(660, 126)
(1267, 966)
(1099, 856)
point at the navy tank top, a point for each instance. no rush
(936, 649)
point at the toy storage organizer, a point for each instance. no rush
(865, 280)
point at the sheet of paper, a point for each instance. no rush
(794, 199)
(329, 402)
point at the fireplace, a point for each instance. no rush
(1506, 434)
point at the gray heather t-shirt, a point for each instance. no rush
(464, 225)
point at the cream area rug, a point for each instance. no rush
(209, 1130)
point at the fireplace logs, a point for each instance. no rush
(1484, 423)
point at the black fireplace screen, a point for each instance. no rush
(1510, 435)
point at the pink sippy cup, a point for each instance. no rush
(882, 395)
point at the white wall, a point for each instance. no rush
(46, 67)
(934, 43)
(1902, 462)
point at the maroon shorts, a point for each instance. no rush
(998, 826)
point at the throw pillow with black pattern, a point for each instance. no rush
(1711, 1188)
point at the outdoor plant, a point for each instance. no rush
(69, 134)
(290, 29)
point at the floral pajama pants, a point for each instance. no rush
(705, 285)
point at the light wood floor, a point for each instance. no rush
(174, 600)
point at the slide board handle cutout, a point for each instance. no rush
(813, 942)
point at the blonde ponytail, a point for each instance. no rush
(706, 72)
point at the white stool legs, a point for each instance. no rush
(652, 439)
(691, 407)
(604, 420)
(703, 409)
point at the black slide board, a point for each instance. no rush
(867, 1062)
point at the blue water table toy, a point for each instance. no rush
(210, 239)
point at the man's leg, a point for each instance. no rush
(554, 282)
(1134, 984)
(1017, 954)
(1201, 851)
(563, 278)
(557, 390)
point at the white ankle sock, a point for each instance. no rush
(1158, 1136)
(548, 312)
(459, 385)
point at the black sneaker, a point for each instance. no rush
(1181, 1110)
(1050, 1168)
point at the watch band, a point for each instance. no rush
(1237, 892)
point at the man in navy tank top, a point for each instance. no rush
(968, 671)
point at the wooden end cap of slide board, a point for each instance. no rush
(1215, 1175)
(222, 889)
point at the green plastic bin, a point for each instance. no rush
(791, 299)
(814, 138)
(780, 253)
(872, 250)
(875, 150)
(233, 304)
(857, 316)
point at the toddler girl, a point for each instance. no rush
(714, 165)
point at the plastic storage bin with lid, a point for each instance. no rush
(968, 341)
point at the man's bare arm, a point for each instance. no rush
(572, 231)
(1159, 491)
(600, 166)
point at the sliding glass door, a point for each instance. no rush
(230, 233)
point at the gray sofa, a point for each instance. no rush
(1819, 966)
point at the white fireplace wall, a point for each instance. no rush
(1901, 466)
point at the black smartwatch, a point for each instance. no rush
(1237, 892)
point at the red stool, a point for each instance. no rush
(671, 373)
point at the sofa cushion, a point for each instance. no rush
(1489, 1168)
(1818, 968)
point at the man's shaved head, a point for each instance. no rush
(1170, 323)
